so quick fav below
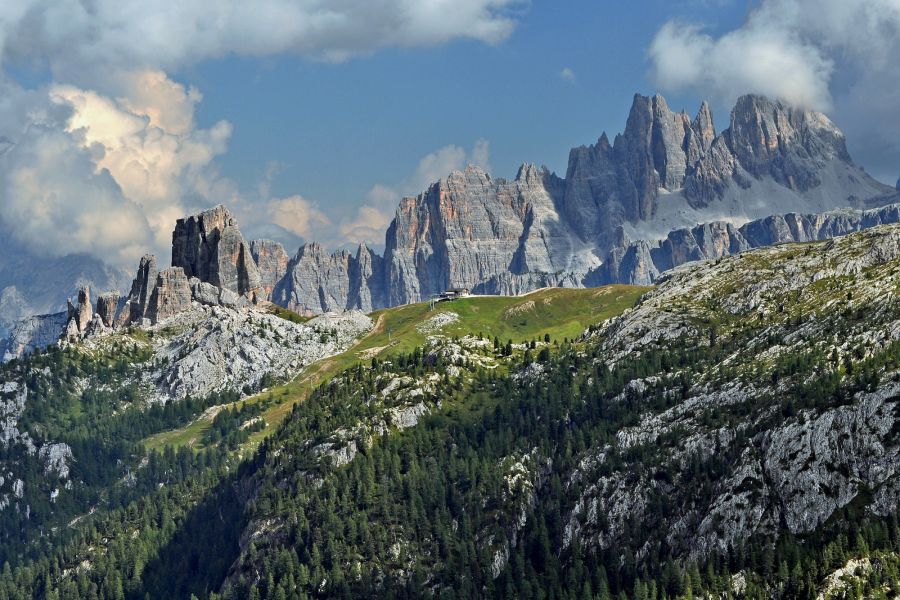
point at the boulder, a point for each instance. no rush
(203, 292)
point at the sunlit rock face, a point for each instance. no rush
(210, 246)
(667, 190)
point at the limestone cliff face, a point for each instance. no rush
(210, 246)
(272, 262)
(641, 262)
(316, 281)
(141, 290)
(171, 294)
(667, 190)
(469, 230)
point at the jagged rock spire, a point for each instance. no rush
(210, 247)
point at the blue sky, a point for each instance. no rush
(311, 118)
(335, 130)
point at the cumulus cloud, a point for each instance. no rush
(105, 157)
(831, 55)
(567, 74)
(56, 203)
(147, 142)
(297, 215)
(371, 219)
(73, 35)
(85, 172)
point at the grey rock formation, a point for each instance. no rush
(787, 472)
(625, 212)
(469, 230)
(107, 308)
(641, 262)
(171, 295)
(203, 292)
(83, 312)
(222, 348)
(788, 144)
(141, 290)
(33, 333)
(272, 263)
(316, 281)
(78, 316)
(210, 246)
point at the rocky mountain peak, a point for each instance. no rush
(80, 314)
(209, 246)
(617, 206)
(530, 173)
(788, 143)
(141, 289)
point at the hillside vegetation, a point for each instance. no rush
(733, 435)
(560, 313)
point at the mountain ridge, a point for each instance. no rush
(666, 171)
(667, 190)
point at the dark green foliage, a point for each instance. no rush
(426, 511)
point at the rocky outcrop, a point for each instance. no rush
(787, 470)
(272, 263)
(316, 281)
(135, 309)
(625, 211)
(107, 308)
(222, 348)
(788, 144)
(641, 262)
(80, 314)
(210, 247)
(468, 230)
(80, 318)
(33, 333)
(171, 295)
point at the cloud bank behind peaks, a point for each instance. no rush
(103, 175)
(107, 155)
(837, 56)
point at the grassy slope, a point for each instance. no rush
(559, 312)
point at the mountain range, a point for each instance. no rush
(730, 431)
(657, 181)
(666, 190)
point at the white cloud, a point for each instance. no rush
(106, 157)
(77, 36)
(567, 74)
(297, 215)
(832, 55)
(55, 203)
(758, 59)
(90, 173)
(372, 218)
